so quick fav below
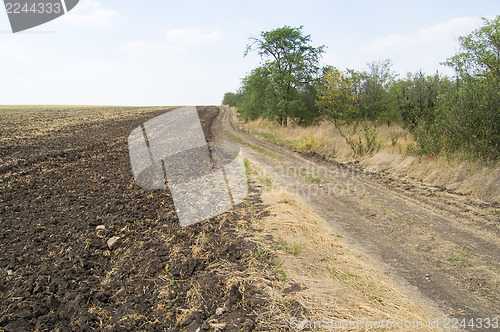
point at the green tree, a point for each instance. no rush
(290, 66)
(256, 94)
(337, 95)
(352, 95)
(480, 52)
(473, 114)
(376, 103)
(418, 97)
(231, 98)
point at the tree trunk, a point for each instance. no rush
(284, 121)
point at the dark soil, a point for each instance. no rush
(63, 195)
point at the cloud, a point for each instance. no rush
(193, 35)
(443, 34)
(149, 51)
(15, 51)
(425, 49)
(92, 13)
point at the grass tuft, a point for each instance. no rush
(255, 148)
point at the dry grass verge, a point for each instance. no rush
(320, 273)
(394, 151)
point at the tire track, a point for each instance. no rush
(433, 244)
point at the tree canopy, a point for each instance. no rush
(289, 67)
(480, 51)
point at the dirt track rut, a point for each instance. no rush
(442, 247)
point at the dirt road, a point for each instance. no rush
(444, 249)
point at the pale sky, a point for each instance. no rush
(159, 52)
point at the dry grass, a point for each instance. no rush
(395, 155)
(336, 283)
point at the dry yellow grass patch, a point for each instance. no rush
(474, 178)
(337, 284)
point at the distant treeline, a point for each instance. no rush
(458, 114)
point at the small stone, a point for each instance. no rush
(219, 311)
(100, 228)
(112, 241)
(218, 326)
